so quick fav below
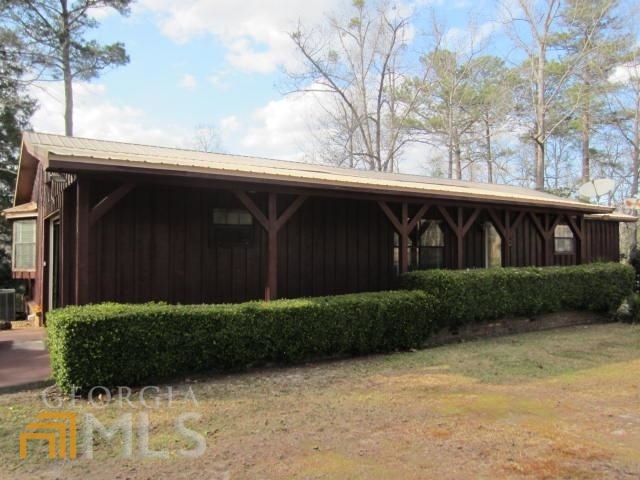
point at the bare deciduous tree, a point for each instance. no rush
(354, 67)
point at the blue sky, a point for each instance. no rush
(213, 62)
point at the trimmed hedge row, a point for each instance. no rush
(115, 344)
(467, 296)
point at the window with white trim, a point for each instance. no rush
(231, 216)
(563, 239)
(430, 245)
(24, 244)
(232, 226)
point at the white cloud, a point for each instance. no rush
(229, 125)
(280, 129)
(469, 40)
(220, 79)
(96, 116)
(188, 81)
(625, 73)
(254, 32)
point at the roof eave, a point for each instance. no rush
(78, 165)
(27, 170)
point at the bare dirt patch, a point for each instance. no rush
(554, 404)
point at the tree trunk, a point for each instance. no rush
(65, 40)
(634, 183)
(457, 158)
(586, 174)
(540, 135)
(541, 127)
(450, 148)
(489, 153)
(586, 139)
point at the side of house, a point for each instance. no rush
(127, 223)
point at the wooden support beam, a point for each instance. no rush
(271, 288)
(518, 220)
(417, 217)
(582, 241)
(497, 222)
(108, 202)
(452, 224)
(575, 227)
(470, 221)
(538, 224)
(404, 239)
(272, 224)
(391, 216)
(555, 223)
(250, 205)
(290, 211)
(67, 233)
(460, 235)
(460, 228)
(82, 242)
(507, 239)
(404, 226)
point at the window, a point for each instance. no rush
(231, 216)
(24, 244)
(430, 248)
(231, 226)
(493, 246)
(425, 247)
(563, 239)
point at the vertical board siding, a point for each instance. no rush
(156, 244)
(603, 241)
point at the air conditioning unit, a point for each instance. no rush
(7, 304)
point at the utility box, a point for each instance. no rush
(7, 304)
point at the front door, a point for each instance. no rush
(53, 263)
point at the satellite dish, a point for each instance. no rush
(596, 188)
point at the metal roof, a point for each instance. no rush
(72, 154)
(613, 217)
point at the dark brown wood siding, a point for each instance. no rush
(333, 246)
(156, 244)
(603, 241)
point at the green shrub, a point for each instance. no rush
(466, 296)
(629, 311)
(115, 344)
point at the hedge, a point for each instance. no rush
(466, 296)
(116, 344)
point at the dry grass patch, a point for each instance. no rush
(556, 404)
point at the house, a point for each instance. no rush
(106, 221)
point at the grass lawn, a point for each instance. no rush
(555, 404)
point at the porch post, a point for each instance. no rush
(67, 231)
(272, 224)
(82, 242)
(507, 239)
(578, 228)
(582, 235)
(460, 238)
(404, 227)
(404, 239)
(271, 288)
